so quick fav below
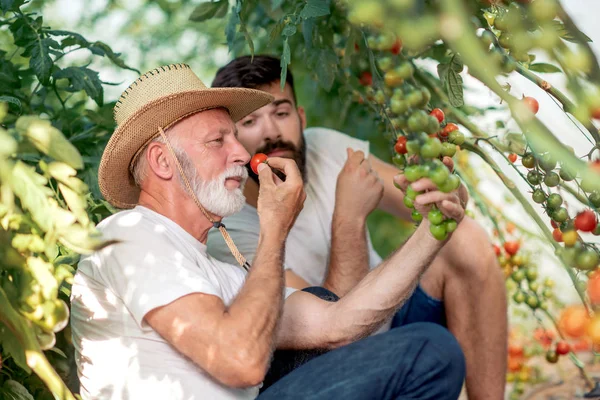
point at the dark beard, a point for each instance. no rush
(299, 155)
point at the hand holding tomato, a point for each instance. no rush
(279, 202)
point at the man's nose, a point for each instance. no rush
(239, 154)
(271, 130)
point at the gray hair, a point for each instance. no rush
(139, 170)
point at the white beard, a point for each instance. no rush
(213, 195)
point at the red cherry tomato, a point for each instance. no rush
(448, 128)
(532, 104)
(557, 235)
(258, 158)
(366, 79)
(512, 157)
(511, 247)
(400, 146)
(586, 221)
(439, 114)
(562, 348)
(554, 224)
(397, 47)
(497, 250)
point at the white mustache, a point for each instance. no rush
(236, 171)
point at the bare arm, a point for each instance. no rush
(310, 322)
(234, 344)
(358, 191)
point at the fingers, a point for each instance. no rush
(288, 167)
(355, 157)
(448, 203)
(401, 182)
(423, 184)
(452, 210)
(265, 175)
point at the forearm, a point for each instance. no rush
(349, 259)
(254, 314)
(383, 290)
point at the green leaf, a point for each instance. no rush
(42, 272)
(276, 4)
(29, 186)
(68, 259)
(326, 68)
(102, 49)
(208, 10)
(9, 75)
(10, 5)
(315, 8)
(232, 24)
(40, 61)
(82, 78)
(566, 35)
(50, 141)
(285, 60)
(76, 204)
(544, 67)
(276, 32)
(12, 100)
(12, 346)
(452, 82)
(13, 390)
(308, 26)
(289, 29)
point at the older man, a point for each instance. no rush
(329, 246)
(155, 317)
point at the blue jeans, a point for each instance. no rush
(415, 360)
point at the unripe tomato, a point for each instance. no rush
(392, 79)
(555, 200)
(438, 113)
(512, 157)
(416, 216)
(551, 357)
(528, 161)
(531, 103)
(586, 221)
(257, 159)
(456, 137)
(587, 260)
(560, 215)
(451, 225)
(551, 179)
(435, 217)
(594, 198)
(538, 196)
(448, 149)
(438, 231)
(547, 162)
(511, 247)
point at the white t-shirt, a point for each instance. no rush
(118, 355)
(308, 246)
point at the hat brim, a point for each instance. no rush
(115, 181)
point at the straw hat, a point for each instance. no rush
(160, 98)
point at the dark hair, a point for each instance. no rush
(252, 73)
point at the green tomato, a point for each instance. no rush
(587, 260)
(439, 175)
(452, 183)
(399, 160)
(448, 149)
(531, 274)
(426, 97)
(405, 70)
(411, 193)
(456, 137)
(532, 301)
(423, 171)
(534, 286)
(412, 173)
(385, 63)
(431, 149)
(414, 98)
(560, 215)
(566, 174)
(413, 147)
(438, 232)
(519, 297)
(398, 106)
(539, 196)
(518, 275)
(451, 225)
(555, 200)
(408, 202)
(416, 216)
(547, 162)
(418, 121)
(435, 217)
(433, 125)
(528, 160)
(595, 199)
(552, 179)
(534, 177)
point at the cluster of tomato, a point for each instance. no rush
(423, 138)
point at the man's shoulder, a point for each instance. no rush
(126, 223)
(332, 143)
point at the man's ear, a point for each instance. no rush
(158, 161)
(302, 115)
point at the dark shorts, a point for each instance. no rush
(420, 307)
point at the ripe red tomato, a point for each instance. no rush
(511, 247)
(596, 113)
(450, 127)
(515, 350)
(366, 79)
(586, 221)
(557, 235)
(512, 157)
(562, 348)
(439, 114)
(397, 47)
(497, 250)
(400, 146)
(532, 104)
(554, 224)
(593, 288)
(258, 158)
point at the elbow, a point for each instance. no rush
(243, 370)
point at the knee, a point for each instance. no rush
(480, 263)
